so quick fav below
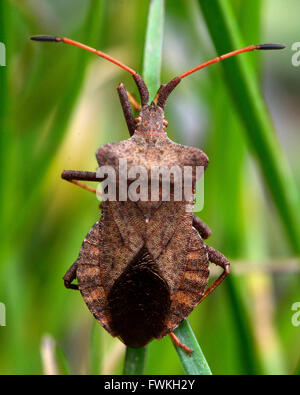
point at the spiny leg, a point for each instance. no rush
(70, 276)
(201, 227)
(220, 260)
(177, 343)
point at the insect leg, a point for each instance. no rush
(70, 276)
(201, 227)
(177, 343)
(80, 175)
(73, 176)
(220, 260)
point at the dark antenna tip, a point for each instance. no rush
(45, 38)
(270, 46)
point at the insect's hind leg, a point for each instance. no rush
(71, 276)
(201, 227)
(177, 343)
(220, 260)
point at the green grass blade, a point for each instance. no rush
(135, 357)
(63, 361)
(68, 101)
(194, 364)
(298, 369)
(153, 46)
(3, 137)
(246, 94)
(135, 360)
(230, 158)
(229, 163)
(6, 137)
(64, 112)
(250, 360)
(95, 343)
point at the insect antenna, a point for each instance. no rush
(165, 90)
(137, 78)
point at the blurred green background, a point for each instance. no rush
(59, 104)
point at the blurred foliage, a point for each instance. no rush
(59, 104)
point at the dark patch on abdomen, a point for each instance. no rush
(139, 302)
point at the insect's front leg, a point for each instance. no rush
(70, 276)
(74, 176)
(201, 227)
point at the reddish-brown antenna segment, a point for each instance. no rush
(83, 46)
(229, 54)
(165, 90)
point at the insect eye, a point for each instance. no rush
(137, 119)
(165, 122)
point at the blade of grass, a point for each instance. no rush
(6, 136)
(297, 372)
(135, 357)
(94, 349)
(153, 46)
(194, 364)
(63, 115)
(135, 360)
(245, 92)
(229, 149)
(68, 102)
(3, 87)
(7, 193)
(48, 356)
(17, 305)
(230, 153)
(253, 357)
(62, 361)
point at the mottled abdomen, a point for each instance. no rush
(143, 303)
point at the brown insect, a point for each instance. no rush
(144, 266)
